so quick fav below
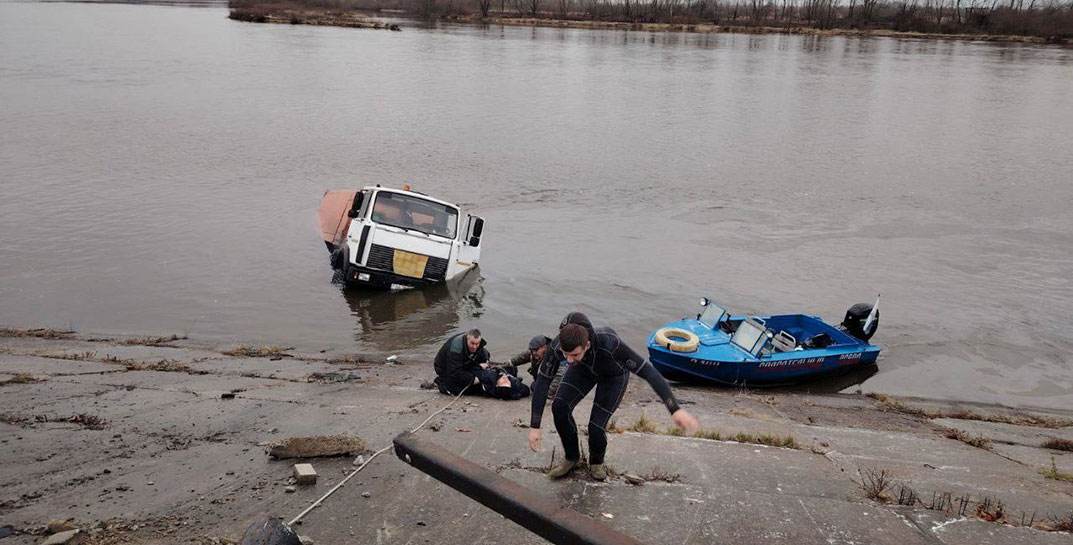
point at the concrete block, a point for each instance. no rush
(304, 474)
(62, 538)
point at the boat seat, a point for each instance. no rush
(784, 342)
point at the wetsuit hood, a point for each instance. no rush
(583, 321)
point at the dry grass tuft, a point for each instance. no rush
(154, 341)
(1054, 473)
(165, 365)
(991, 511)
(713, 435)
(890, 404)
(72, 356)
(875, 483)
(41, 333)
(87, 421)
(659, 474)
(1055, 443)
(643, 425)
(21, 378)
(1060, 524)
(887, 403)
(612, 427)
(977, 441)
(743, 412)
(246, 351)
(347, 359)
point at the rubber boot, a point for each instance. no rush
(562, 470)
(598, 472)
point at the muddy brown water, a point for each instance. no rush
(160, 167)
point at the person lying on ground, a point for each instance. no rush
(499, 383)
(462, 365)
(597, 358)
(539, 348)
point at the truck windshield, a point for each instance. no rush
(410, 212)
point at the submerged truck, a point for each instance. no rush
(380, 236)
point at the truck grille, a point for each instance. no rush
(436, 268)
(383, 258)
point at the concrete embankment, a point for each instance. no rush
(162, 440)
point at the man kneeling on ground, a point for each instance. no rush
(540, 347)
(462, 365)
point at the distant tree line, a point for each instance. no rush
(1049, 19)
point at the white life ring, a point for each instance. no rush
(677, 340)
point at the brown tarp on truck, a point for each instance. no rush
(332, 215)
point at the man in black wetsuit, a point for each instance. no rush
(597, 357)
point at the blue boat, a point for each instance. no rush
(763, 350)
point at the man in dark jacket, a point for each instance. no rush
(540, 347)
(460, 361)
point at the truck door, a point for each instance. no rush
(470, 249)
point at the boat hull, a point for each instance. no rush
(690, 368)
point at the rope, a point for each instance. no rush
(367, 462)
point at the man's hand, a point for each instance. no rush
(534, 439)
(685, 421)
(484, 366)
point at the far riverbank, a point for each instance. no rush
(358, 16)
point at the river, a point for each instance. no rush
(160, 167)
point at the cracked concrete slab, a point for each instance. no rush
(173, 451)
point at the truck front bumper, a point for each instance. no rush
(358, 275)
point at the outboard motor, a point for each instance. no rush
(855, 320)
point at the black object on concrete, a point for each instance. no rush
(269, 531)
(546, 518)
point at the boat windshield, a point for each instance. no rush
(749, 336)
(712, 315)
(409, 212)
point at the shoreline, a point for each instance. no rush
(164, 438)
(368, 19)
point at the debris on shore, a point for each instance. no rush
(317, 446)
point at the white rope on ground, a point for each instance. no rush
(367, 462)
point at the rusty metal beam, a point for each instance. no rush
(546, 518)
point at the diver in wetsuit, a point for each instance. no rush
(597, 357)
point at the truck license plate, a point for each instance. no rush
(409, 264)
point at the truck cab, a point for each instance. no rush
(380, 236)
